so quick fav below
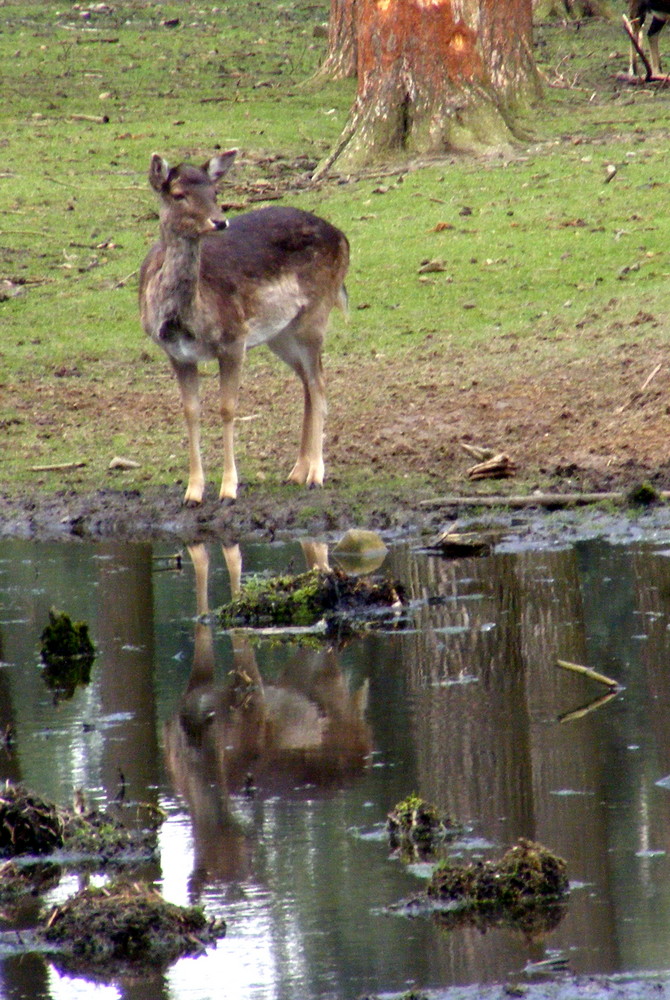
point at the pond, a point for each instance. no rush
(279, 826)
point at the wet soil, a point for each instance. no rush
(156, 514)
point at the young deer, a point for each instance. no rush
(637, 13)
(210, 289)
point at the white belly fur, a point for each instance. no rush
(276, 305)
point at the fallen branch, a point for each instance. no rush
(497, 467)
(651, 376)
(123, 281)
(550, 500)
(593, 675)
(634, 396)
(96, 119)
(118, 462)
(57, 467)
(638, 48)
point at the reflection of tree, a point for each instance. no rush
(124, 632)
(643, 807)
(9, 763)
(651, 577)
(246, 736)
(486, 694)
(20, 975)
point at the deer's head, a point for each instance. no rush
(188, 194)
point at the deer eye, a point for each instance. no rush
(178, 196)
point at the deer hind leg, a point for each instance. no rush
(302, 353)
(187, 377)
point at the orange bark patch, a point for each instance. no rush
(423, 35)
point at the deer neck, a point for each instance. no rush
(179, 276)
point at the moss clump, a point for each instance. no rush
(127, 923)
(526, 875)
(642, 495)
(415, 827)
(28, 824)
(67, 653)
(304, 599)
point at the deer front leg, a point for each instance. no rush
(229, 382)
(636, 26)
(187, 377)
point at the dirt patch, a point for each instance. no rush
(583, 428)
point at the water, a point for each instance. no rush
(466, 707)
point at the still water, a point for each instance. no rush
(465, 706)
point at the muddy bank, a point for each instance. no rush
(152, 516)
(161, 514)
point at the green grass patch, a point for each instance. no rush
(537, 248)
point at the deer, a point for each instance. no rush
(637, 14)
(212, 288)
(243, 735)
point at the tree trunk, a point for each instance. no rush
(342, 49)
(436, 76)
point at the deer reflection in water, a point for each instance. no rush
(239, 735)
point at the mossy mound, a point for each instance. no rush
(415, 827)
(67, 654)
(98, 834)
(31, 826)
(642, 495)
(305, 599)
(527, 875)
(126, 924)
(20, 880)
(28, 824)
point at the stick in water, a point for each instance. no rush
(593, 675)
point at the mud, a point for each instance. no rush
(160, 515)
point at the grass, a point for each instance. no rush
(536, 247)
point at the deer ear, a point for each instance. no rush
(219, 165)
(158, 172)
